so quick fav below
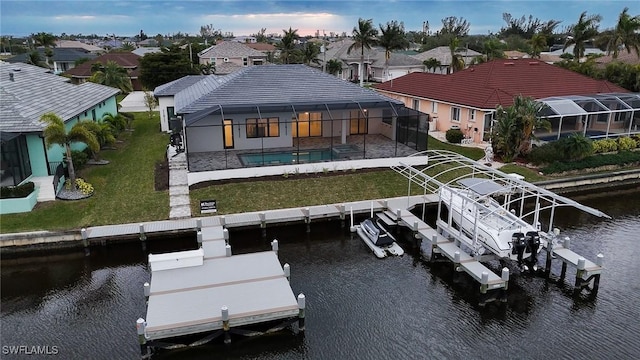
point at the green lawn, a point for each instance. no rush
(124, 189)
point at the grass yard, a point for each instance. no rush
(124, 189)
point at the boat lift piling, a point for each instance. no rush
(586, 271)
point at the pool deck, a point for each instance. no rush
(370, 147)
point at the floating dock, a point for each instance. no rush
(209, 289)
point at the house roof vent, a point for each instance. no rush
(11, 77)
(534, 63)
(509, 64)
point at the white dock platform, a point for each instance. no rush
(188, 300)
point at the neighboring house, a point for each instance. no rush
(374, 62)
(28, 92)
(129, 61)
(267, 107)
(165, 94)
(443, 55)
(245, 39)
(230, 56)
(468, 99)
(75, 44)
(515, 54)
(63, 59)
(269, 50)
(558, 52)
(141, 51)
(623, 57)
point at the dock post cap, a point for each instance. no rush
(227, 250)
(287, 270)
(567, 242)
(274, 245)
(485, 277)
(225, 312)
(147, 289)
(600, 260)
(581, 263)
(456, 257)
(83, 231)
(505, 274)
(140, 326)
(199, 237)
(225, 233)
(301, 301)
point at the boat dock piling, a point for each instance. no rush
(586, 271)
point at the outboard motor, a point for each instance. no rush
(533, 244)
(519, 245)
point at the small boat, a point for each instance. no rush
(378, 238)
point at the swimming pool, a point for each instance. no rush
(285, 157)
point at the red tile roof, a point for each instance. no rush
(497, 82)
(127, 60)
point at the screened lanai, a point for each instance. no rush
(595, 116)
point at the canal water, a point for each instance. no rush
(358, 307)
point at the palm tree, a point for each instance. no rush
(432, 64)
(504, 134)
(287, 44)
(538, 42)
(334, 66)
(102, 131)
(626, 34)
(34, 58)
(112, 75)
(117, 122)
(392, 38)
(527, 120)
(310, 53)
(457, 63)
(55, 133)
(44, 39)
(364, 37)
(584, 30)
(493, 48)
(577, 146)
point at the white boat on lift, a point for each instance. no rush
(485, 226)
(378, 239)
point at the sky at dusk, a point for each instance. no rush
(127, 18)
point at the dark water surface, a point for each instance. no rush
(358, 307)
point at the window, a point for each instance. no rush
(416, 104)
(434, 107)
(358, 122)
(307, 125)
(245, 61)
(14, 161)
(455, 113)
(258, 128)
(472, 115)
(170, 112)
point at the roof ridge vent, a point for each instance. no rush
(534, 62)
(511, 63)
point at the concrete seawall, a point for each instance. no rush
(43, 240)
(592, 182)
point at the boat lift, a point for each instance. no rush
(447, 171)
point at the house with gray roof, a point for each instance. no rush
(443, 55)
(63, 59)
(264, 108)
(27, 92)
(375, 66)
(165, 94)
(229, 56)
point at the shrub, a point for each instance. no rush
(605, 145)
(80, 158)
(82, 186)
(545, 154)
(626, 143)
(454, 136)
(20, 191)
(620, 159)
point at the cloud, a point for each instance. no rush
(306, 22)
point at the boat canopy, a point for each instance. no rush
(482, 186)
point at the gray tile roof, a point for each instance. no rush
(443, 54)
(59, 54)
(34, 91)
(174, 87)
(229, 49)
(274, 85)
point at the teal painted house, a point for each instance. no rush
(26, 93)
